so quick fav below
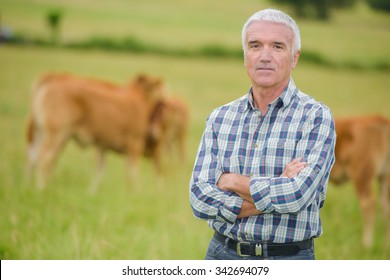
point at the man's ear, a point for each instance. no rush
(295, 59)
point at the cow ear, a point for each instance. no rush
(345, 138)
(141, 78)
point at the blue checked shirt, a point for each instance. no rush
(238, 139)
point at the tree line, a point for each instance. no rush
(322, 9)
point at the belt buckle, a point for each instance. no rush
(259, 250)
(239, 248)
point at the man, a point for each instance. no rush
(261, 173)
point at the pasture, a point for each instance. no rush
(150, 219)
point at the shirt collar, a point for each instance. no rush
(284, 99)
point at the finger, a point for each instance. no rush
(294, 170)
(295, 160)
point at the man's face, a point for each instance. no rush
(269, 59)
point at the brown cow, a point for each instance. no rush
(168, 131)
(168, 122)
(362, 156)
(86, 110)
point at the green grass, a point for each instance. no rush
(149, 219)
(358, 36)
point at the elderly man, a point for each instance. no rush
(263, 163)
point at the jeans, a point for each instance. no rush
(219, 251)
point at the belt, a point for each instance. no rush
(246, 249)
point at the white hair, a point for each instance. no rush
(277, 16)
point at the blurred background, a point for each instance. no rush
(195, 47)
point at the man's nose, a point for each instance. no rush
(265, 54)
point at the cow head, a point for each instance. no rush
(151, 89)
(344, 142)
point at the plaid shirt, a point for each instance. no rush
(238, 139)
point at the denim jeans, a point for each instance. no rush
(220, 251)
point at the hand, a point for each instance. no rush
(226, 181)
(236, 183)
(293, 168)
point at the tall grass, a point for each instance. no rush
(147, 219)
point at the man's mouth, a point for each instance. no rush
(265, 68)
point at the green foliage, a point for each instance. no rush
(169, 28)
(53, 19)
(131, 44)
(322, 8)
(382, 5)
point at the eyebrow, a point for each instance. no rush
(276, 42)
(253, 41)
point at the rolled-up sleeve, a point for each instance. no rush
(316, 148)
(207, 201)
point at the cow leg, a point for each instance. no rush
(52, 145)
(93, 186)
(132, 169)
(366, 197)
(367, 205)
(34, 143)
(158, 158)
(160, 164)
(385, 198)
(133, 156)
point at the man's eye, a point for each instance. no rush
(278, 46)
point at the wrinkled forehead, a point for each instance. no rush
(269, 31)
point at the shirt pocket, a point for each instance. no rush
(232, 163)
(276, 155)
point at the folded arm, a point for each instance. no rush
(240, 185)
(293, 194)
(228, 196)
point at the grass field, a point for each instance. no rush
(149, 219)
